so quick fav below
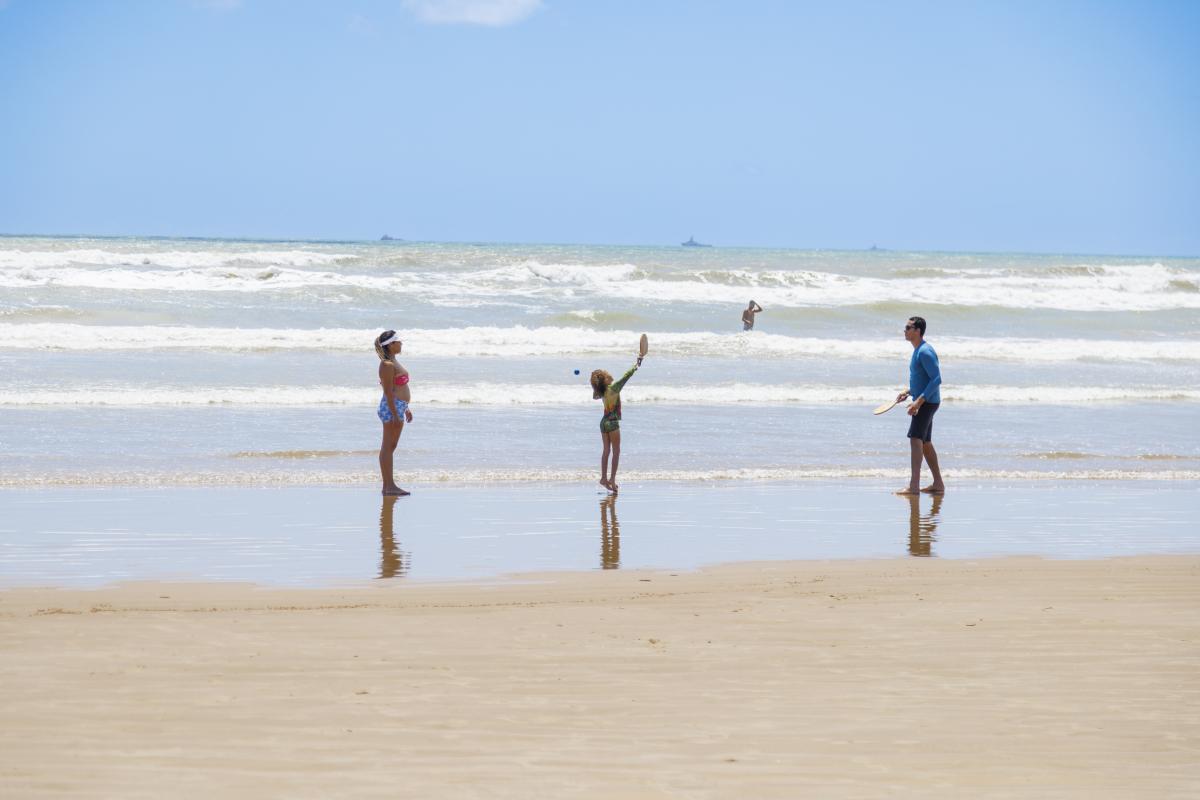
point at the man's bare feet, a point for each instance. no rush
(395, 491)
(934, 489)
(612, 487)
(908, 490)
(605, 484)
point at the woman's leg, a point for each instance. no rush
(604, 460)
(391, 438)
(615, 439)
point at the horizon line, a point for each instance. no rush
(476, 242)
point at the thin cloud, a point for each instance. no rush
(493, 13)
(360, 25)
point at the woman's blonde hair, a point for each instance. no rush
(600, 381)
(380, 349)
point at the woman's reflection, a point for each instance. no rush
(610, 534)
(393, 562)
(921, 528)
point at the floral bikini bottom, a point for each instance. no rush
(385, 413)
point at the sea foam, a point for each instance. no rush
(523, 342)
(579, 394)
(1150, 286)
(289, 475)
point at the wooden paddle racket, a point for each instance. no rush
(643, 346)
(886, 407)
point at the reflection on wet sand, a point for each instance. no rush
(393, 562)
(921, 527)
(610, 534)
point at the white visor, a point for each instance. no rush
(386, 342)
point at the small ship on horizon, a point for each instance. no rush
(691, 242)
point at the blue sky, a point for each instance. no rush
(1027, 126)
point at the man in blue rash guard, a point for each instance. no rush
(925, 387)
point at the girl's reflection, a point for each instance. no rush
(610, 534)
(393, 562)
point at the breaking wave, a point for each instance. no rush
(446, 279)
(578, 393)
(514, 475)
(522, 342)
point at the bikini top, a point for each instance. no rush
(401, 380)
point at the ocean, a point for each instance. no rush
(132, 361)
(206, 408)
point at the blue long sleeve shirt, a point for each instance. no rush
(924, 374)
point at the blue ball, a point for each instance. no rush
(576, 372)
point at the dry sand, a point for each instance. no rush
(917, 678)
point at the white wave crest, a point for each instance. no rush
(94, 257)
(292, 476)
(1148, 287)
(579, 394)
(229, 278)
(244, 268)
(521, 342)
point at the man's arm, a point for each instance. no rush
(929, 362)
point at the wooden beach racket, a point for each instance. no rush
(886, 407)
(643, 346)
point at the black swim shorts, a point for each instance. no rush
(921, 426)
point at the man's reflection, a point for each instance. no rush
(610, 534)
(393, 562)
(921, 527)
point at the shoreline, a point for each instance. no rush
(919, 677)
(306, 536)
(457, 479)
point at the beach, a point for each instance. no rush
(536, 399)
(202, 592)
(899, 678)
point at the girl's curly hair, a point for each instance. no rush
(600, 381)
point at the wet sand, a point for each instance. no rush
(897, 678)
(329, 536)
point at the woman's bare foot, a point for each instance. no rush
(908, 490)
(612, 487)
(605, 484)
(395, 491)
(934, 489)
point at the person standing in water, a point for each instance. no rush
(603, 388)
(748, 316)
(924, 386)
(393, 407)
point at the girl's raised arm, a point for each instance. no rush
(616, 387)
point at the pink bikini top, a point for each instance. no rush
(402, 380)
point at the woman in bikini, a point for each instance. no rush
(393, 408)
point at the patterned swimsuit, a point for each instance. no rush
(611, 420)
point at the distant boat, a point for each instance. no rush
(386, 238)
(691, 242)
